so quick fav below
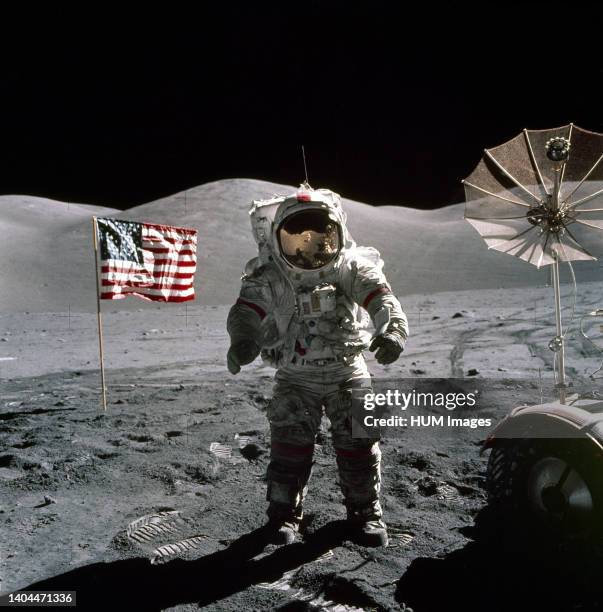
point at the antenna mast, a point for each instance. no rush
(306, 183)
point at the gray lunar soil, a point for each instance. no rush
(157, 502)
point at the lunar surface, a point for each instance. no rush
(157, 503)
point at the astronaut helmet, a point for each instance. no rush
(309, 232)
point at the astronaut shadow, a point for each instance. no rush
(506, 567)
(135, 584)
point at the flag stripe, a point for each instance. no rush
(147, 291)
(108, 273)
(153, 298)
(168, 239)
(150, 267)
(151, 245)
(176, 260)
(169, 250)
(129, 283)
(174, 246)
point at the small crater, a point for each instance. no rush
(250, 433)
(204, 409)
(417, 461)
(140, 437)
(174, 434)
(12, 461)
(8, 461)
(105, 456)
(7, 416)
(25, 444)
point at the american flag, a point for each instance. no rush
(154, 262)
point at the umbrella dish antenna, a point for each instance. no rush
(527, 196)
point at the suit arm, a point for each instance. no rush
(372, 291)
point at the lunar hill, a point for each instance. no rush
(48, 264)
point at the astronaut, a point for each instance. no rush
(304, 305)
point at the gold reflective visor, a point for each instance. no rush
(309, 239)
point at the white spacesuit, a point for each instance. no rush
(303, 304)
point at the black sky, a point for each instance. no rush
(393, 108)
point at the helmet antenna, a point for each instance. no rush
(306, 183)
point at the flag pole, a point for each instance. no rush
(99, 318)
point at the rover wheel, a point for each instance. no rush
(551, 484)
